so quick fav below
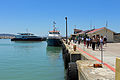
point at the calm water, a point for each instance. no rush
(30, 61)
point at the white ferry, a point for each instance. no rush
(26, 37)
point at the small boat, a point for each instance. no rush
(54, 38)
(26, 37)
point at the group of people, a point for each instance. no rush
(96, 42)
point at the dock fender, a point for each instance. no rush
(72, 71)
(65, 51)
(66, 59)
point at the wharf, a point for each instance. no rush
(86, 57)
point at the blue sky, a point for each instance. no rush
(38, 15)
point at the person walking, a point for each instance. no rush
(84, 41)
(75, 40)
(98, 42)
(93, 42)
(101, 43)
(88, 41)
(105, 41)
(79, 40)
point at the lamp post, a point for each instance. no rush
(66, 29)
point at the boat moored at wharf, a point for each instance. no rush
(54, 38)
(27, 37)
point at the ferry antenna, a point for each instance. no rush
(54, 25)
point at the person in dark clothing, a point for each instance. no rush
(79, 40)
(84, 41)
(90, 42)
(74, 39)
(93, 42)
(97, 42)
(105, 40)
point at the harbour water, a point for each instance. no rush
(30, 61)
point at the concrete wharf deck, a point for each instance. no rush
(111, 52)
(86, 57)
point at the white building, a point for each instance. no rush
(103, 32)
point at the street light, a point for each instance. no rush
(66, 29)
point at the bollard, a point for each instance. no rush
(97, 65)
(74, 47)
(117, 73)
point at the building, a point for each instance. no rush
(117, 37)
(77, 31)
(103, 32)
(84, 33)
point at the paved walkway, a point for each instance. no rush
(111, 52)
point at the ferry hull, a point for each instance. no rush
(27, 39)
(53, 42)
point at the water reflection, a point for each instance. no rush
(24, 47)
(26, 41)
(27, 46)
(53, 52)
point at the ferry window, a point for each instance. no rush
(55, 33)
(50, 32)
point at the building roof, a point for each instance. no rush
(77, 30)
(83, 32)
(95, 30)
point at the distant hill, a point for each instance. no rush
(10, 35)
